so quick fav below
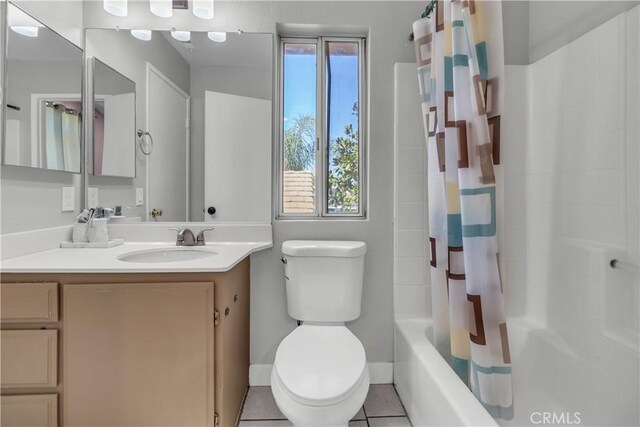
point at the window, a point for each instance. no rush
(322, 132)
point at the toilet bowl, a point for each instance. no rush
(320, 376)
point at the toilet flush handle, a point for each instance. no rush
(283, 259)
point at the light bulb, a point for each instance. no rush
(25, 30)
(203, 8)
(115, 7)
(161, 8)
(144, 35)
(181, 36)
(217, 36)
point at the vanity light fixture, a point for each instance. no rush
(115, 7)
(23, 24)
(203, 8)
(217, 36)
(181, 36)
(25, 30)
(161, 8)
(144, 35)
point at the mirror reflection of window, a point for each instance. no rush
(43, 96)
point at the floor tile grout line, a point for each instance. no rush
(388, 416)
(366, 417)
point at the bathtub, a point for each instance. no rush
(431, 392)
(552, 383)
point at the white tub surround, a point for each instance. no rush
(430, 390)
(38, 251)
(411, 279)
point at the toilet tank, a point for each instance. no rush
(324, 279)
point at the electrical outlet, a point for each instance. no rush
(92, 197)
(68, 199)
(139, 196)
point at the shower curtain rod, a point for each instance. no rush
(427, 12)
(64, 107)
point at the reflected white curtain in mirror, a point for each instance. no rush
(61, 137)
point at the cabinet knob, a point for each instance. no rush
(211, 210)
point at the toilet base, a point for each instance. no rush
(336, 415)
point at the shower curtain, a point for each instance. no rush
(462, 132)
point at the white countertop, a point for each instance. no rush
(101, 260)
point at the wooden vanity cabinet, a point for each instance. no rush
(145, 349)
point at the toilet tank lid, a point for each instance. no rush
(327, 248)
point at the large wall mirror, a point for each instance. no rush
(200, 99)
(43, 97)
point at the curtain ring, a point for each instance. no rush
(141, 135)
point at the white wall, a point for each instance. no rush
(515, 26)
(553, 23)
(534, 29)
(412, 291)
(32, 198)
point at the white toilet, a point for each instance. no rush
(320, 375)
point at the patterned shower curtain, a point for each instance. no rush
(462, 132)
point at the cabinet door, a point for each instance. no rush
(138, 354)
(40, 410)
(232, 343)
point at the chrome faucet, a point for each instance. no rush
(185, 237)
(200, 239)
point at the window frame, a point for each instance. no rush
(322, 143)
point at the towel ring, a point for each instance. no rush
(141, 135)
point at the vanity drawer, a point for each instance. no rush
(29, 358)
(36, 410)
(29, 302)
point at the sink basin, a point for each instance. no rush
(167, 255)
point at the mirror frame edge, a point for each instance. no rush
(4, 28)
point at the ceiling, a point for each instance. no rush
(248, 50)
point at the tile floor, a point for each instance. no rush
(382, 408)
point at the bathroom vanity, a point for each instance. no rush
(89, 339)
(142, 333)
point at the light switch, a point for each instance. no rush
(92, 197)
(139, 196)
(68, 199)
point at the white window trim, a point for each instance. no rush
(321, 133)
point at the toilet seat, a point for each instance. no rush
(320, 365)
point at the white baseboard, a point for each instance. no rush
(380, 373)
(259, 375)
